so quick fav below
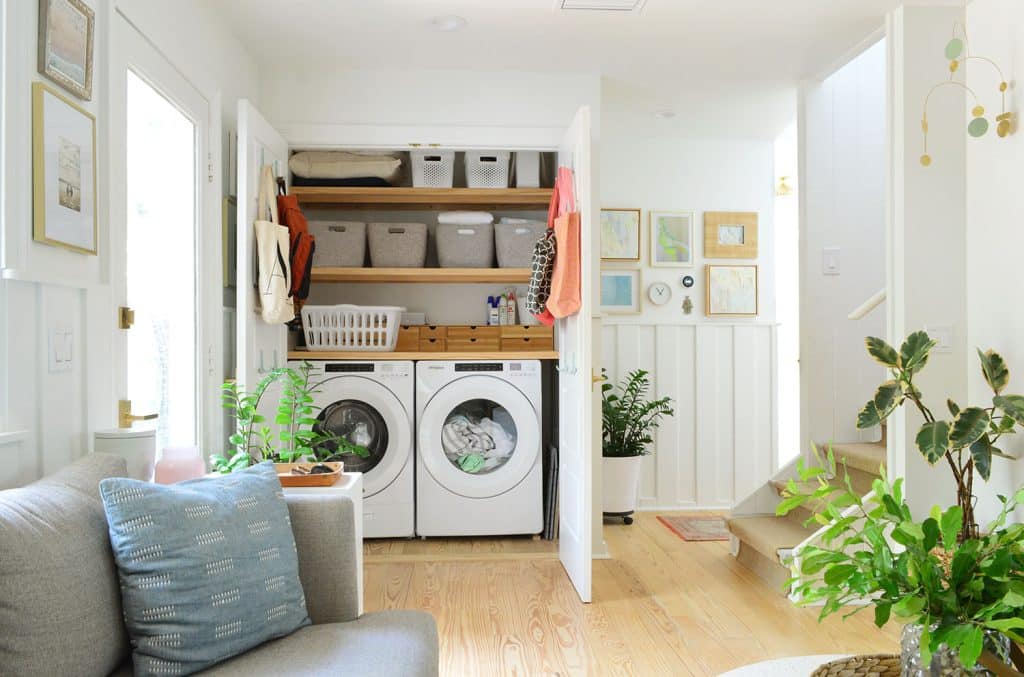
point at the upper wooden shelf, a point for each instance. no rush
(423, 275)
(422, 198)
(372, 356)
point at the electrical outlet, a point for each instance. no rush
(830, 261)
(942, 334)
(60, 349)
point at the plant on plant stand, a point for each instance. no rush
(298, 437)
(960, 591)
(629, 420)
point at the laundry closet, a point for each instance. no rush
(468, 414)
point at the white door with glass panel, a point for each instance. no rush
(160, 245)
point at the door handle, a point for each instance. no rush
(125, 418)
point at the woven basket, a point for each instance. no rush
(878, 665)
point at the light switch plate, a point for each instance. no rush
(60, 350)
(830, 261)
(942, 334)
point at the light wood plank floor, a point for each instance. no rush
(662, 606)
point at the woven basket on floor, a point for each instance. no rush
(878, 665)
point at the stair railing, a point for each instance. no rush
(865, 308)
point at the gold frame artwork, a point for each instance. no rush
(708, 312)
(39, 194)
(714, 248)
(639, 236)
(83, 90)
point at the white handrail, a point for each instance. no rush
(869, 305)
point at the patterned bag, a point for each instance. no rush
(540, 274)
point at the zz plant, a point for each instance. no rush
(628, 417)
(297, 438)
(967, 439)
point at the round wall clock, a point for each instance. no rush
(687, 281)
(659, 293)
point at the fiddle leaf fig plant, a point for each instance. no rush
(298, 437)
(967, 439)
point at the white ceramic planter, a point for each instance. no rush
(621, 480)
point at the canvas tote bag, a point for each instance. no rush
(566, 297)
(542, 267)
(274, 277)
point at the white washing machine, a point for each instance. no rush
(371, 404)
(478, 451)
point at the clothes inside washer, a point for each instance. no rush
(476, 447)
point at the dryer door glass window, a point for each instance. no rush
(479, 436)
(355, 425)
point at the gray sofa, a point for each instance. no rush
(60, 607)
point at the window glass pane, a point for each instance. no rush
(479, 436)
(358, 424)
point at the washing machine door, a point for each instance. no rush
(479, 436)
(367, 414)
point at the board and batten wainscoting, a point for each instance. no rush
(720, 446)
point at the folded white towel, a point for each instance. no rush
(466, 218)
(517, 222)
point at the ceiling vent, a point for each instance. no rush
(634, 6)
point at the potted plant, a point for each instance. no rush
(628, 419)
(960, 590)
(298, 437)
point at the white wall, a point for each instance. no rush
(843, 197)
(44, 287)
(927, 266)
(720, 445)
(995, 212)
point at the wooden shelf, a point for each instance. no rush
(423, 275)
(423, 198)
(367, 356)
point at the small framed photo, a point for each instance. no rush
(620, 235)
(620, 291)
(730, 235)
(63, 172)
(672, 239)
(65, 44)
(731, 291)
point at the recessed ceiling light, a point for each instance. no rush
(448, 23)
(665, 114)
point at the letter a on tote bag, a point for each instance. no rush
(275, 278)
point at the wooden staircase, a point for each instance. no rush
(762, 542)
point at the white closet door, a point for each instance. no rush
(576, 438)
(261, 346)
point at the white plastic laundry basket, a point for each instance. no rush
(432, 168)
(487, 169)
(348, 327)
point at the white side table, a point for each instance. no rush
(351, 485)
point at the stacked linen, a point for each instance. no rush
(344, 168)
(465, 218)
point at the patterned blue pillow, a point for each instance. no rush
(208, 567)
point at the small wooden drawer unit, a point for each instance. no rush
(408, 339)
(474, 338)
(433, 345)
(527, 337)
(433, 331)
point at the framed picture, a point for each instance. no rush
(620, 291)
(731, 291)
(730, 235)
(65, 44)
(672, 239)
(63, 172)
(229, 240)
(620, 234)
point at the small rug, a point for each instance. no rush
(700, 528)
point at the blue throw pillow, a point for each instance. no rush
(208, 567)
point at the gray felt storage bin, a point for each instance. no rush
(398, 245)
(514, 243)
(339, 243)
(465, 246)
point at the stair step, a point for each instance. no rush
(864, 456)
(768, 534)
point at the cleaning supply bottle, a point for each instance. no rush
(492, 311)
(503, 310)
(511, 307)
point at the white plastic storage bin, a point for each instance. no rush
(514, 242)
(347, 327)
(398, 245)
(465, 246)
(487, 169)
(527, 169)
(432, 168)
(339, 243)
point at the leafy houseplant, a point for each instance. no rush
(298, 437)
(959, 596)
(629, 420)
(968, 439)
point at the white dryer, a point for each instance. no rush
(478, 456)
(371, 404)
